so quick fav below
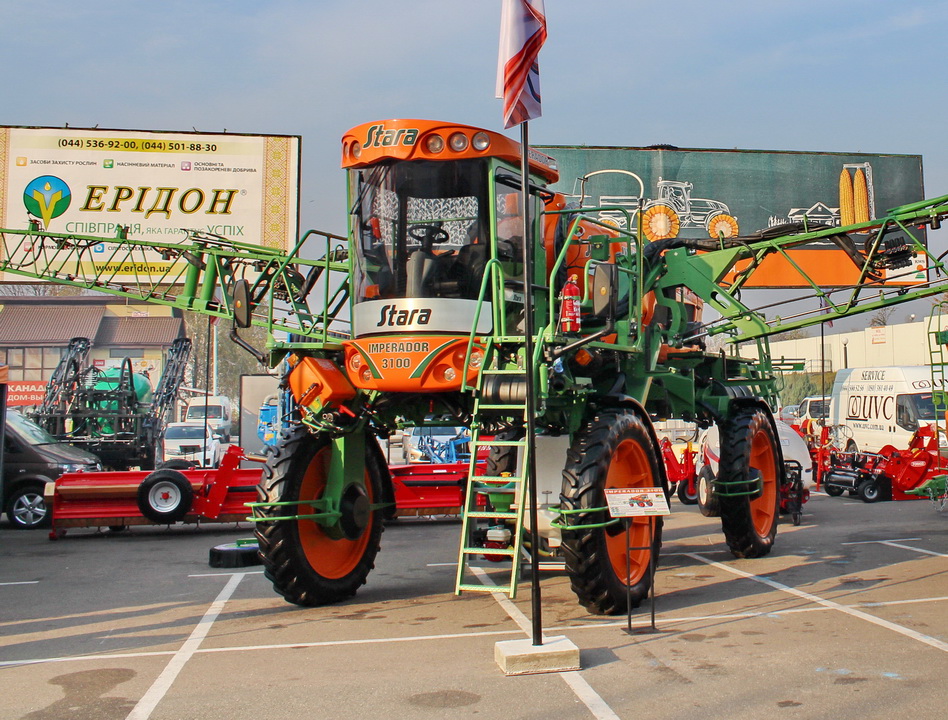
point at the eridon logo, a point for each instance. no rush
(391, 316)
(380, 136)
(47, 197)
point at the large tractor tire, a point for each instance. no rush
(307, 563)
(614, 450)
(749, 449)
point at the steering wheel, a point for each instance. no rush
(428, 235)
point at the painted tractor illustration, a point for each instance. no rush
(419, 317)
(675, 209)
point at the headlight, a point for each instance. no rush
(74, 467)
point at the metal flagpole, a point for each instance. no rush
(530, 429)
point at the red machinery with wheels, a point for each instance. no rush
(170, 495)
(157, 497)
(682, 473)
(889, 474)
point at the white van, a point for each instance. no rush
(882, 406)
(218, 414)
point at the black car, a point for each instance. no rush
(31, 458)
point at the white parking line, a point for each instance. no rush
(898, 543)
(453, 636)
(902, 630)
(582, 689)
(150, 700)
(894, 544)
(22, 582)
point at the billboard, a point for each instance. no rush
(158, 184)
(703, 193)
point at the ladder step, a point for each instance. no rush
(491, 480)
(485, 406)
(495, 514)
(487, 551)
(483, 588)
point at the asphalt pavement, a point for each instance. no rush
(845, 619)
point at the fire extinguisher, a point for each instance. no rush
(569, 306)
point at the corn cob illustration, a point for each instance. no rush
(860, 197)
(846, 204)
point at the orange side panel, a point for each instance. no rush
(826, 268)
(319, 379)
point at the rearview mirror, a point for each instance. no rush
(242, 309)
(604, 290)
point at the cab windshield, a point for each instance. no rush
(422, 229)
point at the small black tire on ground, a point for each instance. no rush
(708, 502)
(117, 528)
(165, 497)
(833, 490)
(869, 491)
(235, 554)
(685, 497)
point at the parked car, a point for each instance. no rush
(192, 442)
(31, 458)
(421, 442)
(789, 414)
(815, 408)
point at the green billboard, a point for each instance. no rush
(709, 193)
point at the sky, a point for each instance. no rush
(834, 75)
(862, 76)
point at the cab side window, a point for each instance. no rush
(905, 415)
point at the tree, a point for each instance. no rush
(797, 334)
(800, 385)
(880, 318)
(232, 360)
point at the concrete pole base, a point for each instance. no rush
(522, 657)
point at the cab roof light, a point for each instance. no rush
(434, 143)
(458, 142)
(480, 141)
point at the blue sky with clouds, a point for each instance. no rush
(836, 75)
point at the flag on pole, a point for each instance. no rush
(522, 34)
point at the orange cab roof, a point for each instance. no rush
(367, 144)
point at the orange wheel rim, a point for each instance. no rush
(329, 557)
(630, 468)
(763, 459)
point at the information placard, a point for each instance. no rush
(636, 502)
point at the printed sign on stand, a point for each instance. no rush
(636, 502)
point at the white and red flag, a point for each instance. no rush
(522, 34)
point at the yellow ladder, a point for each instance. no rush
(513, 484)
(937, 343)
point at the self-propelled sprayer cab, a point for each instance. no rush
(432, 205)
